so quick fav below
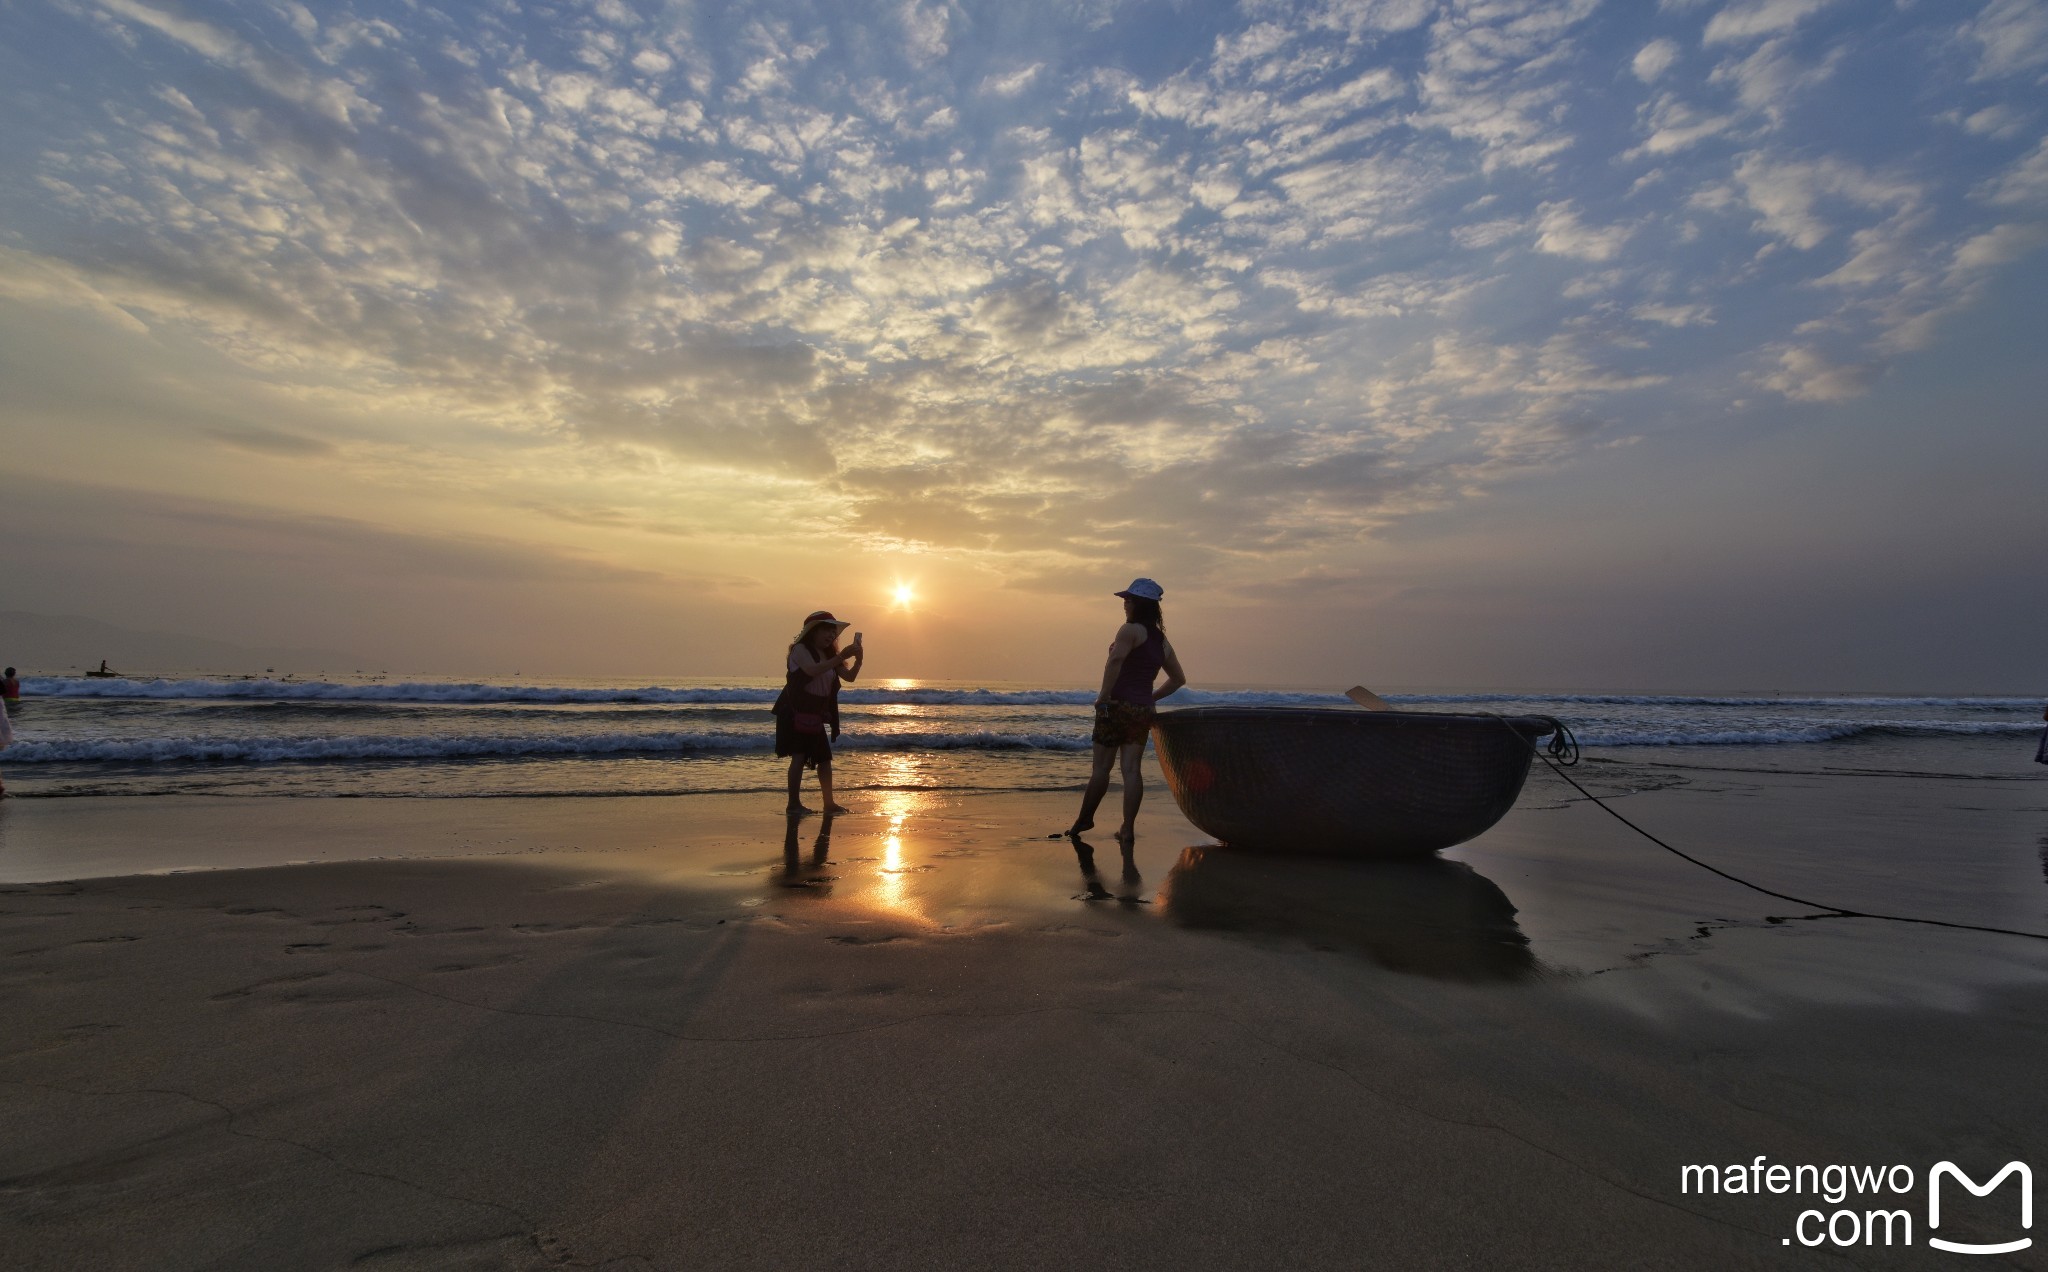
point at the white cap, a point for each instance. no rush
(1143, 590)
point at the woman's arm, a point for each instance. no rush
(1127, 638)
(851, 672)
(1175, 677)
(811, 666)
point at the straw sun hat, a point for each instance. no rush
(821, 618)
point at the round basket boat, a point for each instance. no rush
(1338, 782)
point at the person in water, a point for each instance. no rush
(1123, 710)
(6, 735)
(10, 689)
(807, 712)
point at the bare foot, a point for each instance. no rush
(1128, 835)
(798, 810)
(837, 808)
(1085, 824)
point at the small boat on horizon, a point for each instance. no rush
(1337, 782)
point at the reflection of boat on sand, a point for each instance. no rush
(1426, 917)
(1346, 783)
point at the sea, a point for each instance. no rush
(516, 736)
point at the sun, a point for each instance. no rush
(904, 595)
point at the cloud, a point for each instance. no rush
(1789, 195)
(342, 547)
(2024, 184)
(1012, 83)
(1653, 59)
(2011, 37)
(933, 282)
(1771, 77)
(1992, 121)
(2000, 245)
(1673, 125)
(1748, 19)
(335, 100)
(1674, 315)
(1560, 232)
(267, 441)
(1808, 376)
(925, 29)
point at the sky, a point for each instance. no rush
(1681, 346)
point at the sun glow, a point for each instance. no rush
(904, 595)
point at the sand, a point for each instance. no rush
(662, 1034)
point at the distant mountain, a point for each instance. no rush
(59, 645)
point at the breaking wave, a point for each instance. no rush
(264, 750)
(479, 692)
(1815, 731)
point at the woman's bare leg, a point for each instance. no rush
(1098, 786)
(796, 782)
(825, 786)
(1133, 757)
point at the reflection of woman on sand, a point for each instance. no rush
(807, 712)
(1123, 710)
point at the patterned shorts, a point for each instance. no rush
(1120, 723)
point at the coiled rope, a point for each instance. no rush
(1563, 752)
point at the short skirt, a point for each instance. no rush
(1120, 723)
(815, 747)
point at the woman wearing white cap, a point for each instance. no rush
(1123, 710)
(807, 712)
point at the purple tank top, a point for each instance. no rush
(1141, 668)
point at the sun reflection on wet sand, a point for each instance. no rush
(897, 807)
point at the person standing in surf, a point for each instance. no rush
(6, 740)
(1123, 710)
(807, 711)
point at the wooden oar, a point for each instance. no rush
(1366, 698)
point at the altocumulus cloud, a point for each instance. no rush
(1039, 285)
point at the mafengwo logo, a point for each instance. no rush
(1888, 1222)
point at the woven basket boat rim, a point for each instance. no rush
(1356, 713)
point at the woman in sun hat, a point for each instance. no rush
(1123, 710)
(807, 712)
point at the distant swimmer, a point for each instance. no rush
(807, 710)
(1123, 710)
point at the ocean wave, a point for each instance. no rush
(1675, 700)
(1607, 734)
(405, 691)
(484, 693)
(267, 750)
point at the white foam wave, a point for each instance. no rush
(1815, 731)
(480, 692)
(263, 750)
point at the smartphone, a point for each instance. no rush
(856, 638)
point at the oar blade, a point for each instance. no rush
(1366, 698)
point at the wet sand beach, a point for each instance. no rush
(665, 1033)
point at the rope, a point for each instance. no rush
(1564, 752)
